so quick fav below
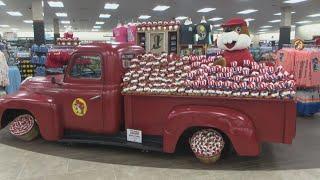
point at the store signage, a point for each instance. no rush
(298, 44)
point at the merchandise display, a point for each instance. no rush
(39, 58)
(68, 40)
(198, 76)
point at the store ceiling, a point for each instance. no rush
(84, 13)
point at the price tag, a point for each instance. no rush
(134, 135)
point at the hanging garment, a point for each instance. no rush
(203, 30)
(4, 71)
(120, 34)
(132, 33)
(187, 34)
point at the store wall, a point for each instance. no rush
(306, 32)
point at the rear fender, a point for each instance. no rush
(42, 107)
(237, 126)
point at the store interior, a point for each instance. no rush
(223, 89)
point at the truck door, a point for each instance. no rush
(82, 103)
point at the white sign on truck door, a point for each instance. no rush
(134, 135)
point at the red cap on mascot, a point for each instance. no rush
(235, 22)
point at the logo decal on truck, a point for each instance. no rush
(79, 107)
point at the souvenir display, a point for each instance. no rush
(198, 76)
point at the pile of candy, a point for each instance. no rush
(150, 74)
(250, 80)
(159, 26)
(198, 76)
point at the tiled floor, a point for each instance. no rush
(41, 160)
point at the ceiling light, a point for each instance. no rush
(100, 22)
(303, 22)
(14, 13)
(217, 25)
(111, 6)
(55, 3)
(62, 14)
(95, 30)
(67, 26)
(161, 8)
(248, 11)
(249, 19)
(2, 3)
(65, 22)
(263, 30)
(215, 19)
(97, 27)
(266, 27)
(314, 15)
(279, 14)
(14, 29)
(205, 10)
(294, 1)
(4, 26)
(181, 18)
(275, 21)
(144, 17)
(28, 21)
(104, 16)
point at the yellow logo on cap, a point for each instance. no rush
(79, 107)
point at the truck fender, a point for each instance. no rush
(234, 124)
(42, 108)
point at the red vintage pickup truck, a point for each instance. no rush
(85, 105)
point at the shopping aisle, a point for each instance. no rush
(47, 160)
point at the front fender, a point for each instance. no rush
(237, 126)
(42, 107)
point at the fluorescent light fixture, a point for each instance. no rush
(181, 18)
(105, 16)
(263, 30)
(303, 22)
(279, 14)
(65, 22)
(28, 21)
(275, 21)
(97, 27)
(294, 1)
(4, 26)
(215, 19)
(62, 14)
(144, 17)
(266, 27)
(221, 29)
(314, 15)
(67, 26)
(161, 8)
(249, 19)
(14, 29)
(205, 10)
(56, 4)
(100, 22)
(14, 13)
(2, 3)
(248, 11)
(217, 25)
(95, 30)
(111, 6)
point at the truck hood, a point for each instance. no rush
(39, 83)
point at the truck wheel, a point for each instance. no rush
(207, 145)
(24, 127)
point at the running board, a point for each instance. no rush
(151, 143)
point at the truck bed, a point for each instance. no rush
(274, 119)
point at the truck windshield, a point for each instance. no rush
(87, 67)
